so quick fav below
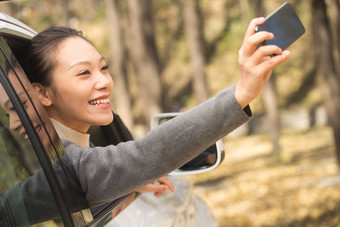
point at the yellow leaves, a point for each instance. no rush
(252, 189)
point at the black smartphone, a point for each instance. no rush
(285, 24)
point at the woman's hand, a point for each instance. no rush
(256, 64)
(158, 189)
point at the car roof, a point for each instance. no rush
(11, 26)
(16, 34)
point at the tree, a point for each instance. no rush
(335, 6)
(65, 9)
(117, 46)
(270, 98)
(145, 57)
(195, 40)
(326, 67)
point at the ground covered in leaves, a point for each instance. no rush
(253, 188)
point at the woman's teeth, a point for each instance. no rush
(99, 102)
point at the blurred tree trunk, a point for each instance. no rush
(65, 9)
(121, 89)
(145, 57)
(337, 27)
(195, 40)
(326, 66)
(270, 98)
(244, 7)
(335, 6)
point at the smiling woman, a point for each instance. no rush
(74, 86)
(73, 83)
(87, 103)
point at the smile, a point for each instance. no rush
(99, 101)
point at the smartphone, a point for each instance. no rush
(285, 24)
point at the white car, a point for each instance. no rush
(33, 191)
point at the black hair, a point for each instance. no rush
(39, 58)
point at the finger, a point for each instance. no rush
(251, 31)
(158, 187)
(271, 62)
(171, 186)
(264, 51)
(250, 45)
(166, 181)
(158, 194)
(251, 27)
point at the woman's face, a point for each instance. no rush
(81, 86)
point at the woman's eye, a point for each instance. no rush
(24, 103)
(84, 73)
(106, 67)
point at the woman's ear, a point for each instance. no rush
(43, 95)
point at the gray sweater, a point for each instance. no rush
(106, 173)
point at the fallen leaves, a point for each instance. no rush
(251, 188)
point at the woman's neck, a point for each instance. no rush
(64, 132)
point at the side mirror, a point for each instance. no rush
(206, 161)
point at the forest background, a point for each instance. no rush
(282, 168)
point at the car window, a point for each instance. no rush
(33, 151)
(23, 186)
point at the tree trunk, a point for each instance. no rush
(122, 98)
(145, 57)
(65, 11)
(259, 9)
(335, 4)
(195, 39)
(244, 8)
(270, 98)
(326, 66)
(272, 113)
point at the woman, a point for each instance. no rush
(73, 83)
(86, 98)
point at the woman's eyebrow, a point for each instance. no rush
(79, 63)
(85, 62)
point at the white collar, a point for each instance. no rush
(74, 136)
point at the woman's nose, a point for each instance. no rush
(104, 81)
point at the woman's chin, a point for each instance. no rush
(105, 120)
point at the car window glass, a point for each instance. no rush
(23, 186)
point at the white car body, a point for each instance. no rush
(182, 208)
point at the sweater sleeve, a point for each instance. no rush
(106, 173)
